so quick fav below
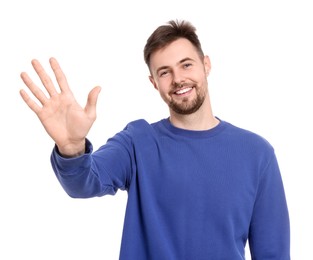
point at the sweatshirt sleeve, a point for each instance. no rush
(269, 236)
(94, 173)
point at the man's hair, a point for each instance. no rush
(166, 34)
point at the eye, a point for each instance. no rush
(187, 65)
(163, 73)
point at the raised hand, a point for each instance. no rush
(62, 117)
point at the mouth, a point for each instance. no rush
(183, 91)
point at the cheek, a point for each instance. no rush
(165, 83)
(202, 79)
(164, 92)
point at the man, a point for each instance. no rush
(198, 187)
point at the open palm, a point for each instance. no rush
(63, 118)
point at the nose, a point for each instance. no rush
(178, 79)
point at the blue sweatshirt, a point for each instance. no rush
(192, 195)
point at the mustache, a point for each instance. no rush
(182, 85)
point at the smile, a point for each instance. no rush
(182, 91)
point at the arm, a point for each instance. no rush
(80, 177)
(81, 173)
(97, 173)
(269, 236)
(63, 118)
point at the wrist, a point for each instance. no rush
(72, 150)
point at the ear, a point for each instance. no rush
(153, 82)
(207, 64)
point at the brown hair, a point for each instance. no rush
(166, 34)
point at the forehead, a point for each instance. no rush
(173, 53)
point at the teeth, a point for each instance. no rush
(182, 91)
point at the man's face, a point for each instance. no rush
(180, 76)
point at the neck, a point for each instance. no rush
(202, 119)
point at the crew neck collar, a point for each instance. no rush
(194, 133)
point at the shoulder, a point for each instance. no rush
(141, 128)
(139, 125)
(247, 138)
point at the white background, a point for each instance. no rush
(261, 79)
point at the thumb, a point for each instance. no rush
(92, 101)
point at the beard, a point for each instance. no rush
(187, 107)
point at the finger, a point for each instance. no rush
(44, 77)
(37, 92)
(92, 101)
(59, 75)
(31, 103)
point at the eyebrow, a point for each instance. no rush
(179, 62)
